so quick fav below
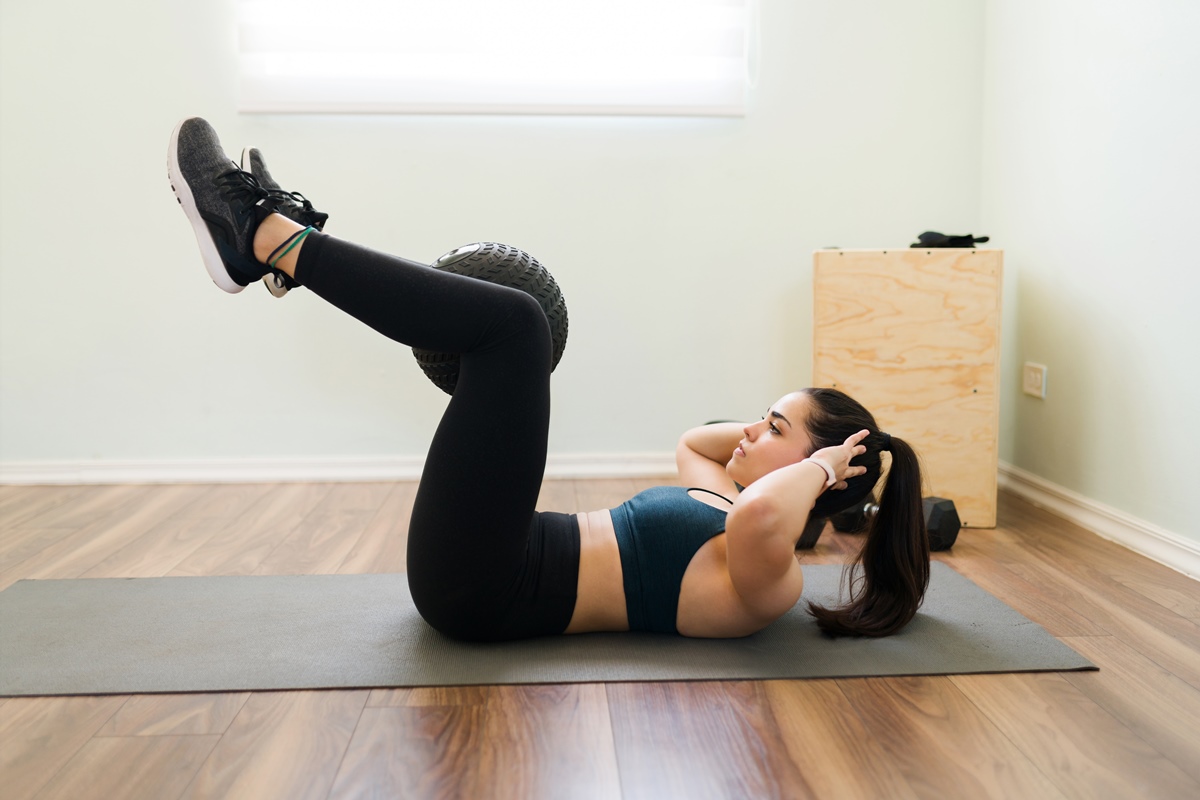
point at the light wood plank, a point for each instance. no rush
(160, 549)
(1062, 541)
(1139, 622)
(548, 741)
(95, 541)
(829, 745)
(430, 696)
(382, 547)
(940, 742)
(21, 544)
(75, 554)
(558, 495)
(41, 734)
(700, 740)
(389, 698)
(1031, 598)
(242, 545)
(1002, 543)
(320, 543)
(81, 505)
(1074, 742)
(1065, 543)
(420, 752)
(131, 768)
(175, 715)
(1149, 700)
(19, 504)
(227, 501)
(1181, 599)
(286, 745)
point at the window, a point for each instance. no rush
(495, 56)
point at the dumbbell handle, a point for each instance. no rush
(942, 535)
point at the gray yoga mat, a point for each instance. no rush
(146, 635)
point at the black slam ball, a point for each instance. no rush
(507, 266)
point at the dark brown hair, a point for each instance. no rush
(889, 577)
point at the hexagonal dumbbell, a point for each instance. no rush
(941, 518)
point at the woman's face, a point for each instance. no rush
(778, 439)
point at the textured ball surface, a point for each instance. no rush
(507, 266)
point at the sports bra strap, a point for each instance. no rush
(709, 491)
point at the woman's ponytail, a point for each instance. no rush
(889, 578)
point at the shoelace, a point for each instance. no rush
(242, 190)
(305, 207)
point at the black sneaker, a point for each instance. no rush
(292, 205)
(223, 203)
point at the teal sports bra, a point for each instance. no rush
(658, 532)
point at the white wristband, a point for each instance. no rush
(828, 471)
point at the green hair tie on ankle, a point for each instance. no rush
(287, 246)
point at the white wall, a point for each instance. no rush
(683, 245)
(1091, 163)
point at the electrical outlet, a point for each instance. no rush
(1033, 380)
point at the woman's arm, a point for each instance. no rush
(767, 519)
(702, 454)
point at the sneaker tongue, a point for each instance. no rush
(263, 209)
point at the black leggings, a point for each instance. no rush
(482, 563)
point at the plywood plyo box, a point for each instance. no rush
(914, 335)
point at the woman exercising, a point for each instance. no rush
(713, 560)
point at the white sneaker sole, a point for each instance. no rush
(208, 247)
(274, 286)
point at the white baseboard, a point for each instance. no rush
(1142, 537)
(608, 465)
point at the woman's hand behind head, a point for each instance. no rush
(839, 457)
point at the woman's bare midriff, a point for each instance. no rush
(600, 597)
(708, 604)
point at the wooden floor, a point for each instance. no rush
(1130, 730)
